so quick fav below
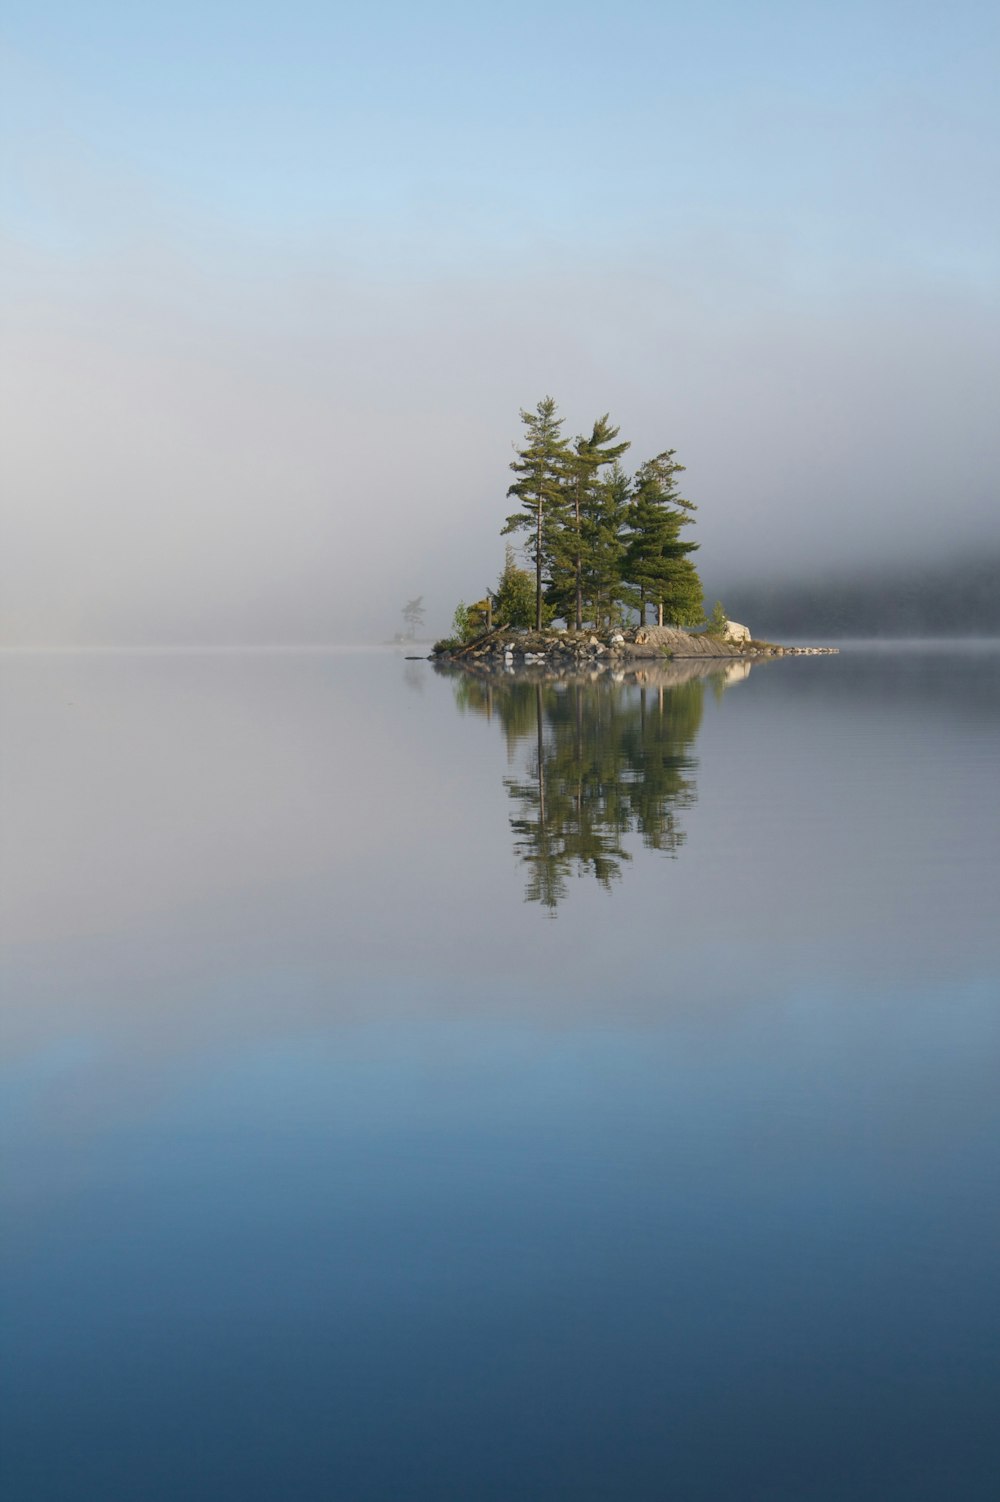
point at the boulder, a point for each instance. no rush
(735, 632)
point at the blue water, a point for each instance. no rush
(422, 1088)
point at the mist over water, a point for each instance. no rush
(948, 596)
(296, 481)
(268, 325)
(419, 1084)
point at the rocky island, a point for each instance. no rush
(569, 650)
(607, 549)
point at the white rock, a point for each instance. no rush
(735, 632)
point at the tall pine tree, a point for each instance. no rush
(598, 540)
(540, 487)
(604, 532)
(580, 533)
(657, 565)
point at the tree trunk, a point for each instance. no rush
(538, 567)
(578, 561)
(541, 757)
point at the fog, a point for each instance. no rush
(276, 417)
(175, 474)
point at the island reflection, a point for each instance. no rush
(601, 756)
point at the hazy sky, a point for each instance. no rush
(276, 281)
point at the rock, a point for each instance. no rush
(566, 653)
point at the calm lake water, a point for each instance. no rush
(419, 1087)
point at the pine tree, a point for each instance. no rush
(682, 600)
(577, 538)
(656, 564)
(541, 488)
(413, 615)
(514, 596)
(604, 532)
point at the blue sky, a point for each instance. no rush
(859, 130)
(688, 214)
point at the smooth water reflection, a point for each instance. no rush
(608, 755)
(331, 1170)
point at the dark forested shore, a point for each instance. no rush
(954, 595)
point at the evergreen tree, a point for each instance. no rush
(514, 596)
(541, 489)
(656, 563)
(576, 540)
(681, 601)
(598, 541)
(604, 528)
(717, 621)
(413, 615)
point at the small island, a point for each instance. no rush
(607, 548)
(566, 650)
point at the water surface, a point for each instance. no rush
(425, 1087)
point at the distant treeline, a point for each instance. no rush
(957, 597)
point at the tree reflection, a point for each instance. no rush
(601, 759)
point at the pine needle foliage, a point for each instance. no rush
(541, 468)
(602, 542)
(514, 596)
(657, 563)
(577, 552)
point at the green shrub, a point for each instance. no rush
(718, 620)
(514, 596)
(463, 623)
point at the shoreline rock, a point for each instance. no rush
(563, 649)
